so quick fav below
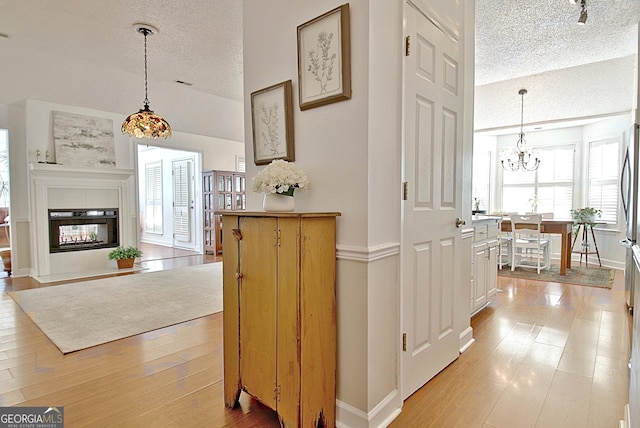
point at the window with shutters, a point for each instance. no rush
(549, 189)
(604, 161)
(153, 197)
(482, 180)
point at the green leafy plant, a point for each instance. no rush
(124, 253)
(585, 215)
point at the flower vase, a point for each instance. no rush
(276, 202)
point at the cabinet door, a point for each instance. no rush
(289, 322)
(259, 268)
(492, 270)
(479, 274)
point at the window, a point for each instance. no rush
(481, 180)
(604, 161)
(549, 189)
(153, 197)
(240, 165)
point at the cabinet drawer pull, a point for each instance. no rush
(236, 234)
(238, 275)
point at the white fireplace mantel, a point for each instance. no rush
(56, 186)
(77, 173)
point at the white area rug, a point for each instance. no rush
(84, 314)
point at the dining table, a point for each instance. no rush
(552, 226)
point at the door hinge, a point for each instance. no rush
(276, 393)
(407, 46)
(276, 237)
(404, 342)
(405, 190)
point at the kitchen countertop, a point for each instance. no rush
(479, 219)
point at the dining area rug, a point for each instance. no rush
(593, 276)
(83, 314)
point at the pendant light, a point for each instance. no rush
(145, 123)
(522, 160)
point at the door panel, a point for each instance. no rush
(430, 239)
(183, 202)
(258, 307)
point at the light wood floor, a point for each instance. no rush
(545, 355)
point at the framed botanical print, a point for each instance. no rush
(324, 62)
(272, 123)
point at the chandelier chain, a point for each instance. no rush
(145, 31)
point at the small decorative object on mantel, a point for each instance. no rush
(125, 257)
(278, 181)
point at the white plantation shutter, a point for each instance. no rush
(550, 186)
(181, 201)
(482, 179)
(604, 161)
(555, 181)
(153, 197)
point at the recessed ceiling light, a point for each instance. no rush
(182, 82)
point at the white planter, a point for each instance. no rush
(275, 202)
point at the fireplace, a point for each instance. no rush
(82, 229)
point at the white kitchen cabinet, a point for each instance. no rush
(484, 270)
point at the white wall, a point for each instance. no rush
(351, 151)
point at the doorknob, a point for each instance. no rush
(460, 222)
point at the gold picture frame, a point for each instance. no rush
(324, 47)
(271, 116)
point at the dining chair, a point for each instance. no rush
(504, 243)
(547, 236)
(528, 248)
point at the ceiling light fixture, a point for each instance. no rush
(145, 123)
(523, 160)
(583, 12)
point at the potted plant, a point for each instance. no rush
(585, 215)
(124, 257)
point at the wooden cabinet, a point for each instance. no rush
(221, 190)
(280, 313)
(484, 272)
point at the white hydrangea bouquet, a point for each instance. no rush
(280, 177)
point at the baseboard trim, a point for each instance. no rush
(466, 339)
(367, 254)
(380, 416)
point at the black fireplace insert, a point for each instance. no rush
(82, 229)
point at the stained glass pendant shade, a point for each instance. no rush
(145, 123)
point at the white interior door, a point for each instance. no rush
(433, 112)
(183, 203)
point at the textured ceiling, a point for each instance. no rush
(516, 38)
(200, 41)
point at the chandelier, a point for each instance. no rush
(145, 123)
(521, 159)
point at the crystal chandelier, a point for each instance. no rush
(521, 159)
(145, 123)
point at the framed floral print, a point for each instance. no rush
(272, 123)
(324, 62)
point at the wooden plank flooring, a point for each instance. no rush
(546, 355)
